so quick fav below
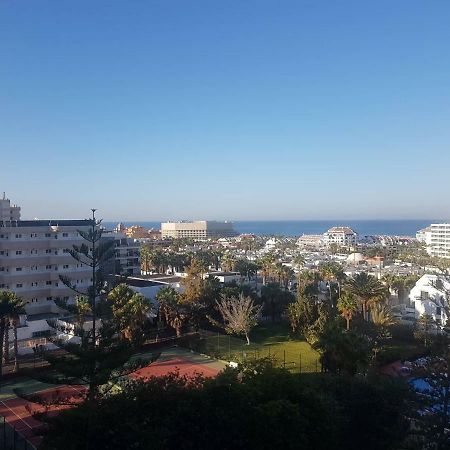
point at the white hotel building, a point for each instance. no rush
(34, 253)
(439, 240)
(200, 229)
(340, 236)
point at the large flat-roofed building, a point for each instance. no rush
(439, 240)
(341, 236)
(34, 253)
(200, 229)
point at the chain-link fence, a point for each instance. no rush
(232, 349)
(11, 439)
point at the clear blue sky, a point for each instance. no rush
(168, 109)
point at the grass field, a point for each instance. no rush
(266, 340)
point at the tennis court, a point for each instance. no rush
(19, 413)
(182, 361)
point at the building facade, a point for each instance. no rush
(127, 259)
(201, 230)
(34, 253)
(340, 236)
(439, 240)
(429, 297)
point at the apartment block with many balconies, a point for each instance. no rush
(33, 255)
(439, 240)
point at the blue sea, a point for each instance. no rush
(299, 227)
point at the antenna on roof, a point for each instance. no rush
(4, 195)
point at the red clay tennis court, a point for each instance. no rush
(182, 361)
(18, 412)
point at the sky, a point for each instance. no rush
(225, 109)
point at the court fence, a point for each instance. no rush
(232, 349)
(11, 439)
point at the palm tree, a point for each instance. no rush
(347, 306)
(382, 316)
(367, 289)
(10, 306)
(146, 258)
(18, 308)
(266, 266)
(171, 308)
(298, 261)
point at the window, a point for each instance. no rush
(65, 266)
(18, 236)
(66, 250)
(18, 285)
(18, 269)
(18, 252)
(49, 298)
(34, 284)
(48, 266)
(424, 295)
(48, 251)
(48, 283)
(438, 310)
(65, 234)
(48, 235)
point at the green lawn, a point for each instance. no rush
(267, 340)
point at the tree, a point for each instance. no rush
(382, 316)
(171, 308)
(367, 289)
(260, 407)
(266, 266)
(11, 306)
(275, 300)
(146, 258)
(347, 306)
(298, 261)
(342, 351)
(239, 314)
(302, 314)
(130, 311)
(99, 357)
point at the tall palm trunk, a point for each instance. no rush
(2, 337)
(16, 351)
(6, 344)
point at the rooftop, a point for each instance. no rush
(45, 223)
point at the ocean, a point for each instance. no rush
(299, 227)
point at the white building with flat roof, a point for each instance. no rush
(199, 229)
(341, 236)
(439, 240)
(429, 297)
(424, 236)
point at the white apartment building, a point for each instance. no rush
(341, 236)
(310, 240)
(424, 236)
(200, 229)
(429, 297)
(34, 253)
(439, 240)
